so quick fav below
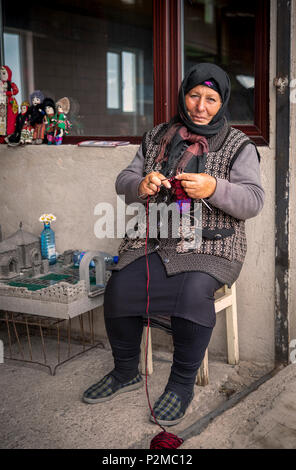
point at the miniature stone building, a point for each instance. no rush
(21, 251)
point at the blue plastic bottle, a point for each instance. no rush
(48, 249)
(110, 260)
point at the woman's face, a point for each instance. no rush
(202, 104)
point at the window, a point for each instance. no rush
(121, 62)
(113, 80)
(12, 49)
(223, 32)
(123, 92)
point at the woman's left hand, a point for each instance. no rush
(197, 185)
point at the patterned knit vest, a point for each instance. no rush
(222, 235)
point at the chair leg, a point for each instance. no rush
(143, 353)
(231, 328)
(203, 371)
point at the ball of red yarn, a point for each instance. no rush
(166, 440)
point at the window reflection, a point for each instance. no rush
(113, 79)
(223, 32)
(97, 53)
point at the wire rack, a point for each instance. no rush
(22, 330)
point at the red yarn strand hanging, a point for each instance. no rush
(163, 440)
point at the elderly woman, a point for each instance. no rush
(217, 166)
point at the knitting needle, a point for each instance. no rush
(164, 179)
(207, 205)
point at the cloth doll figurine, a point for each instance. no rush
(54, 127)
(27, 131)
(8, 103)
(37, 114)
(50, 119)
(22, 120)
(63, 107)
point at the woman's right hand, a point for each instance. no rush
(151, 184)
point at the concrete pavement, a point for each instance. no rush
(40, 411)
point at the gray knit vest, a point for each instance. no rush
(223, 236)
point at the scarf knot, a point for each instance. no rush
(198, 147)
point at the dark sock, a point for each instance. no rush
(125, 336)
(190, 343)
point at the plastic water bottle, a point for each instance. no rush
(48, 248)
(110, 260)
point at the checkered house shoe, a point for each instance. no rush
(169, 409)
(108, 387)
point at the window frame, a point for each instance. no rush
(167, 70)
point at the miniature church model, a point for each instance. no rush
(20, 252)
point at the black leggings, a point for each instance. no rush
(190, 343)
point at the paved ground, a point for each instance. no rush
(46, 412)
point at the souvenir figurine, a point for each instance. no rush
(22, 119)
(27, 131)
(63, 108)
(8, 103)
(37, 114)
(48, 106)
(54, 127)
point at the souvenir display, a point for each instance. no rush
(39, 121)
(8, 103)
(37, 116)
(22, 119)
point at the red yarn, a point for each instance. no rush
(179, 191)
(181, 197)
(163, 440)
(166, 440)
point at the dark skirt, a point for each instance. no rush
(189, 295)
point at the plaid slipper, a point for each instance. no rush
(169, 409)
(108, 387)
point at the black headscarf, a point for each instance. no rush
(195, 76)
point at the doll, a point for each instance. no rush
(22, 120)
(8, 103)
(37, 114)
(27, 131)
(54, 126)
(50, 119)
(63, 107)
